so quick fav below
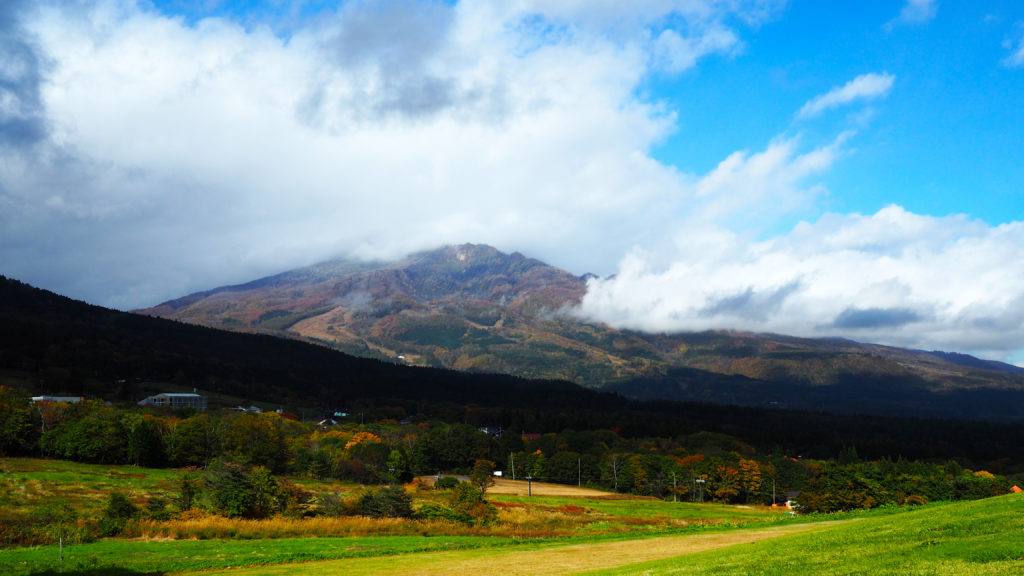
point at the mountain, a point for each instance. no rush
(468, 307)
(473, 308)
(51, 344)
(54, 345)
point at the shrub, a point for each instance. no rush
(331, 504)
(117, 513)
(226, 488)
(435, 512)
(234, 491)
(265, 494)
(446, 483)
(483, 475)
(469, 506)
(388, 502)
(294, 500)
(188, 491)
(156, 508)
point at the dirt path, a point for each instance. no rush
(546, 561)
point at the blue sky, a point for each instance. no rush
(954, 92)
(939, 143)
(811, 168)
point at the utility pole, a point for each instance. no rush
(674, 493)
(512, 459)
(579, 472)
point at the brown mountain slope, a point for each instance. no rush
(474, 308)
(467, 307)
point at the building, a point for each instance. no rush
(63, 399)
(176, 401)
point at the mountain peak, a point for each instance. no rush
(415, 308)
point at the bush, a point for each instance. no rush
(435, 512)
(468, 504)
(446, 483)
(119, 510)
(188, 491)
(388, 502)
(483, 475)
(156, 508)
(330, 504)
(226, 489)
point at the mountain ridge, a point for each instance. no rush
(55, 345)
(473, 308)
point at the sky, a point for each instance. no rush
(823, 169)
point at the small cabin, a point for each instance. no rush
(176, 401)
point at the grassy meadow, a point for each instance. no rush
(571, 533)
(962, 538)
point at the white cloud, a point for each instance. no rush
(180, 157)
(892, 277)
(1016, 47)
(915, 12)
(178, 148)
(863, 87)
(747, 188)
(674, 53)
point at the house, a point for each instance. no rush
(176, 401)
(62, 399)
(791, 500)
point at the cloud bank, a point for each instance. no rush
(146, 156)
(892, 277)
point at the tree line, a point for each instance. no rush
(692, 466)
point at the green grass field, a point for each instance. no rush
(538, 535)
(964, 538)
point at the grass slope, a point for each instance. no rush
(980, 537)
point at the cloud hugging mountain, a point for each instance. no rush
(474, 308)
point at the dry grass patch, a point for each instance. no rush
(508, 487)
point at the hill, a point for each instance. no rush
(51, 344)
(475, 309)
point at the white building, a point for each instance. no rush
(64, 399)
(176, 401)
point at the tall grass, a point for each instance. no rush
(201, 526)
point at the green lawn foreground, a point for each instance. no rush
(963, 538)
(122, 557)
